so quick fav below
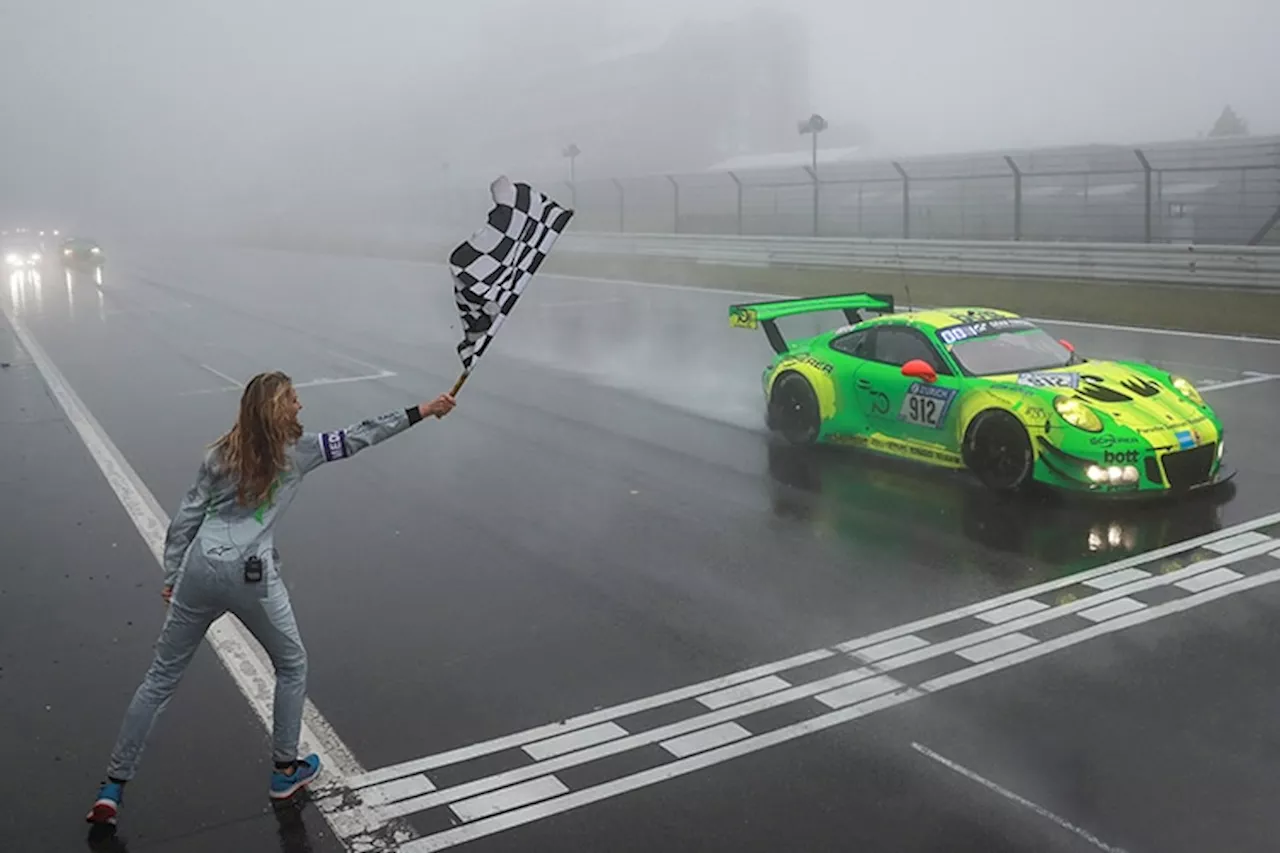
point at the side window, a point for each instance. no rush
(856, 344)
(897, 346)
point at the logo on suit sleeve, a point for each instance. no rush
(334, 445)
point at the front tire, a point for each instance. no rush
(793, 410)
(998, 450)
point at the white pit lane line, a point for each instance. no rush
(236, 385)
(1250, 378)
(240, 654)
(863, 688)
(1010, 795)
(231, 380)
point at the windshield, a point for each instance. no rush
(1011, 352)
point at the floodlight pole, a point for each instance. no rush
(813, 125)
(572, 151)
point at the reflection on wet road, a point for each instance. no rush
(861, 498)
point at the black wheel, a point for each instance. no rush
(793, 409)
(998, 450)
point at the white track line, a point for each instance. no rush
(351, 358)
(240, 654)
(580, 303)
(311, 383)
(316, 383)
(1060, 583)
(466, 753)
(1119, 623)
(1254, 379)
(1009, 795)
(443, 796)
(224, 377)
(1177, 333)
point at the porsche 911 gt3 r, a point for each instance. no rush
(986, 391)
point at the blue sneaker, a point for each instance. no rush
(107, 806)
(285, 785)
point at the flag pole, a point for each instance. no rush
(462, 378)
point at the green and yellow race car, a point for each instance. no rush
(986, 391)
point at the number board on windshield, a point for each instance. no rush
(965, 331)
(926, 405)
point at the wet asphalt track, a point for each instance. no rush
(601, 520)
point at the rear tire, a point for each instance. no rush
(793, 410)
(998, 450)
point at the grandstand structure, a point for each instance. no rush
(1211, 190)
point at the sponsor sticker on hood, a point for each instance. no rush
(1049, 380)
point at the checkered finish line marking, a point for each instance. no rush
(550, 768)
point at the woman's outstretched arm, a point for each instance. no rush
(315, 449)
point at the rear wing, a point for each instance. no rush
(752, 315)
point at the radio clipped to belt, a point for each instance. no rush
(253, 569)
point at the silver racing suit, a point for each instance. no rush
(210, 539)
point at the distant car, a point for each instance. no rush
(985, 391)
(82, 254)
(22, 250)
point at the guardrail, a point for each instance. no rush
(1220, 266)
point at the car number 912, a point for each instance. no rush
(926, 405)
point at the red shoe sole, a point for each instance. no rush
(102, 813)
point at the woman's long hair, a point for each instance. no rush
(253, 451)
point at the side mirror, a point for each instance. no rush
(918, 368)
(1068, 345)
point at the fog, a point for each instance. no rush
(158, 111)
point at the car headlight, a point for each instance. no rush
(1077, 414)
(1187, 390)
(1112, 474)
(66, 252)
(96, 250)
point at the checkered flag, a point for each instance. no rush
(491, 269)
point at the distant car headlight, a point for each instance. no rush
(1077, 414)
(1187, 390)
(96, 250)
(66, 252)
